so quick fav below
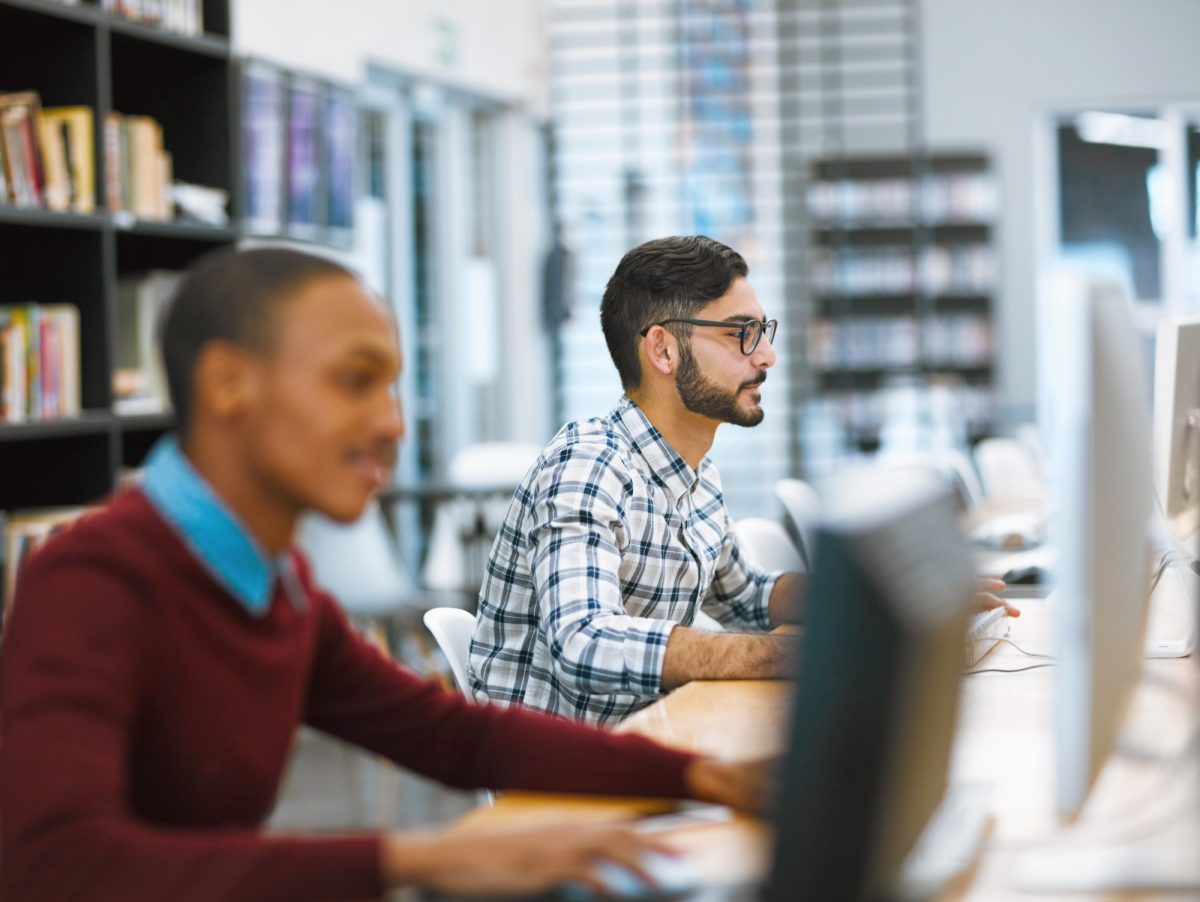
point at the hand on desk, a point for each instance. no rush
(987, 599)
(516, 861)
(747, 786)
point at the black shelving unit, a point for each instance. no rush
(81, 55)
(902, 243)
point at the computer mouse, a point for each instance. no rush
(1024, 576)
(673, 875)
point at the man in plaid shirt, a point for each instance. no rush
(619, 534)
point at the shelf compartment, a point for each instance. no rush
(189, 96)
(54, 470)
(26, 33)
(59, 266)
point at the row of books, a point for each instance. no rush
(137, 168)
(49, 159)
(865, 412)
(46, 154)
(182, 16)
(299, 139)
(938, 269)
(949, 199)
(39, 362)
(881, 342)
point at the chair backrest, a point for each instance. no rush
(1007, 468)
(358, 562)
(766, 544)
(802, 515)
(452, 628)
(949, 463)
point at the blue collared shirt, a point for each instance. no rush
(213, 533)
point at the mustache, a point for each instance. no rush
(759, 380)
(387, 452)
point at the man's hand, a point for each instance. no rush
(748, 786)
(986, 598)
(517, 861)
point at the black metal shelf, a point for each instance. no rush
(38, 217)
(90, 422)
(203, 44)
(82, 55)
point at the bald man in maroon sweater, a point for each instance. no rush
(162, 651)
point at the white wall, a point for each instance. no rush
(490, 47)
(993, 67)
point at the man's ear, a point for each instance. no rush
(662, 351)
(225, 381)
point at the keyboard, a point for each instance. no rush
(950, 842)
(984, 633)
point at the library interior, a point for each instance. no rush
(394, 506)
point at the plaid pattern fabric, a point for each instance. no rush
(609, 543)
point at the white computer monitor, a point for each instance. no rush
(1177, 423)
(1101, 476)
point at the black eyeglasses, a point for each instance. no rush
(749, 332)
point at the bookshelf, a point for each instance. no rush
(902, 279)
(85, 55)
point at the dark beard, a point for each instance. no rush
(702, 397)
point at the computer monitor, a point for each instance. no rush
(876, 704)
(1177, 423)
(1100, 474)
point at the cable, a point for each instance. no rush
(1028, 654)
(1002, 670)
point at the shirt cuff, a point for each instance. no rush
(763, 609)
(645, 651)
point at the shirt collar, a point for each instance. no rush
(213, 533)
(671, 470)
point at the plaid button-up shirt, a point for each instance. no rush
(610, 542)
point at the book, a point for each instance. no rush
(20, 117)
(57, 195)
(40, 366)
(138, 168)
(263, 153)
(339, 132)
(303, 172)
(75, 125)
(114, 164)
(139, 380)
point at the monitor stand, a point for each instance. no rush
(1178, 588)
(1154, 846)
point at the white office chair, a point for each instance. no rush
(766, 544)
(357, 562)
(802, 514)
(951, 464)
(452, 628)
(1007, 469)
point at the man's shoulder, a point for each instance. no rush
(122, 533)
(596, 439)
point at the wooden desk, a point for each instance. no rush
(1005, 736)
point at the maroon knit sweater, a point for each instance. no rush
(146, 718)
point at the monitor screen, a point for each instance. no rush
(1100, 475)
(876, 703)
(1177, 422)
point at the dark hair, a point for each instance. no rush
(230, 294)
(662, 279)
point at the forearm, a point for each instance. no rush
(695, 655)
(788, 595)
